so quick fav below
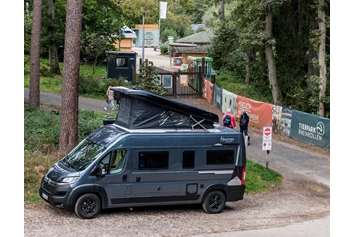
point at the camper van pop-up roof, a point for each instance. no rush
(142, 110)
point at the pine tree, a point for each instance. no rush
(148, 80)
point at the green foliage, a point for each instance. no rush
(200, 29)
(45, 69)
(27, 33)
(27, 67)
(200, 7)
(36, 164)
(234, 83)
(164, 49)
(42, 127)
(223, 46)
(147, 79)
(89, 85)
(259, 179)
(166, 33)
(93, 50)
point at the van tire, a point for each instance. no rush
(87, 206)
(214, 202)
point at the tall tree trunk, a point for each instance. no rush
(221, 11)
(52, 45)
(321, 58)
(69, 121)
(270, 58)
(34, 94)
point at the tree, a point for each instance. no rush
(270, 57)
(34, 94)
(69, 120)
(221, 11)
(321, 57)
(148, 80)
(52, 46)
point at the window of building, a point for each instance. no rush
(121, 62)
(188, 159)
(153, 160)
(220, 157)
(167, 81)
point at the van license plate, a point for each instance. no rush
(45, 196)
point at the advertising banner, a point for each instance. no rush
(260, 113)
(163, 7)
(208, 91)
(217, 97)
(229, 100)
(311, 129)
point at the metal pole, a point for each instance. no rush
(143, 39)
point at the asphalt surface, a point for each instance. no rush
(287, 159)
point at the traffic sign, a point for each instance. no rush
(267, 131)
(267, 138)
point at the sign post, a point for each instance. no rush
(267, 142)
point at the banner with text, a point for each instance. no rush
(310, 129)
(260, 113)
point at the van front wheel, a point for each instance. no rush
(214, 202)
(87, 206)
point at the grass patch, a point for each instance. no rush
(258, 179)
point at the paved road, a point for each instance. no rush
(287, 159)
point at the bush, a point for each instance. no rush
(164, 49)
(89, 85)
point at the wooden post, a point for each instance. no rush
(267, 159)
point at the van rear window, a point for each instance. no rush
(220, 157)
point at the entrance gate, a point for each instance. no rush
(181, 84)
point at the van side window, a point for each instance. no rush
(220, 157)
(188, 159)
(118, 161)
(153, 160)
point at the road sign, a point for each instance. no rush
(267, 138)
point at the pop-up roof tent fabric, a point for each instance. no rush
(140, 109)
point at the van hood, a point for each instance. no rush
(56, 173)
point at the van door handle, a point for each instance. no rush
(138, 179)
(124, 178)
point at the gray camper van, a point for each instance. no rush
(156, 152)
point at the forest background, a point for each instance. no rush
(278, 50)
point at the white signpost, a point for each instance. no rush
(267, 143)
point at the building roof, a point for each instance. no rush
(128, 33)
(192, 50)
(202, 37)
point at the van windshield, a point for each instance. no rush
(82, 155)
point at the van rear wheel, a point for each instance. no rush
(214, 202)
(87, 206)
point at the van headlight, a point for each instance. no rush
(69, 180)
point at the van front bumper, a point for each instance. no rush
(55, 194)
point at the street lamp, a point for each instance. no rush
(143, 13)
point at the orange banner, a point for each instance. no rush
(260, 113)
(208, 91)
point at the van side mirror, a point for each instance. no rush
(101, 171)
